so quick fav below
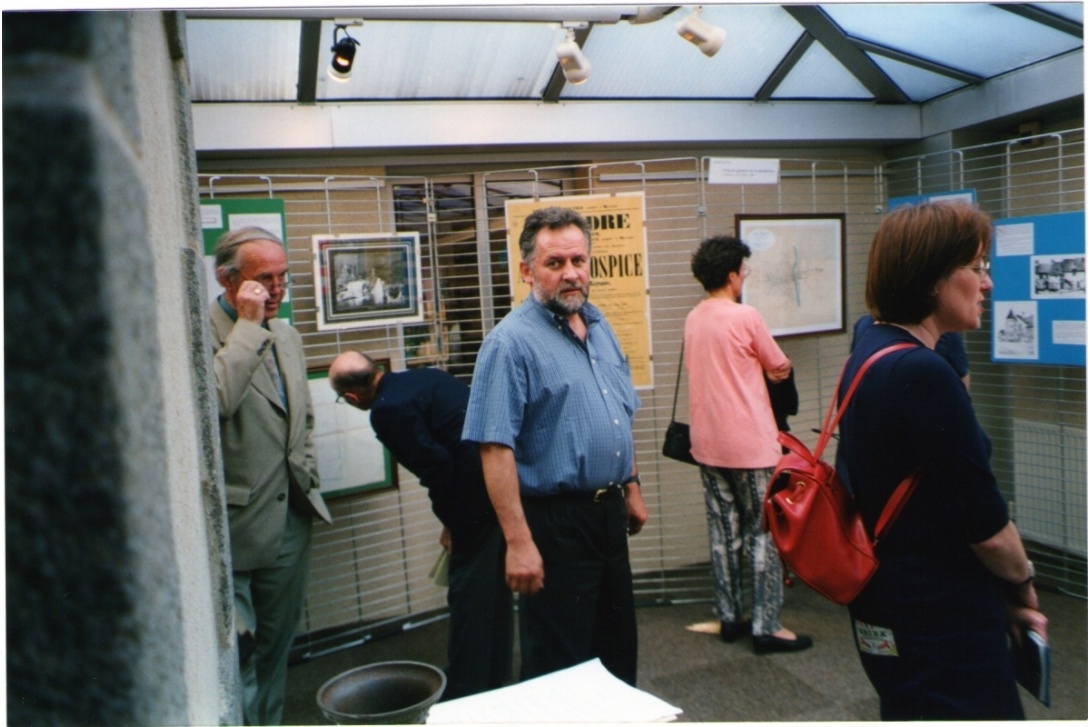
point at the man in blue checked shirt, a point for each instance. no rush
(551, 407)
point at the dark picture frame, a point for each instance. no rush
(367, 280)
(797, 271)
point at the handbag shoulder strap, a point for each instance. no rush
(904, 489)
(895, 504)
(677, 384)
(830, 423)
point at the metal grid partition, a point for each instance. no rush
(1034, 414)
(370, 569)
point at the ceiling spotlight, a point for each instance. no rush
(575, 65)
(344, 51)
(705, 36)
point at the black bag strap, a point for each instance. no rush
(677, 384)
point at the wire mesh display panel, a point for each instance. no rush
(370, 568)
(1034, 414)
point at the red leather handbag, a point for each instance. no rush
(814, 520)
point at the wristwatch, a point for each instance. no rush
(1032, 573)
(634, 478)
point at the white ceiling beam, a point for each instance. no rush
(261, 127)
(553, 13)
(1037, 86)
(457, 124)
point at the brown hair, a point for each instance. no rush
(555, 218)
(915, 247)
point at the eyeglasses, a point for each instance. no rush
(981, 270)
(269, 280)
(746, 269)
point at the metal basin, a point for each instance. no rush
(390, 692)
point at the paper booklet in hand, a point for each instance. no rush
(1032, 665)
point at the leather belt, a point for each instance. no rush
(599, 495)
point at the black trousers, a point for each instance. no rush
(940, 622)
(481, 629)
(964, 676)
(586, 608)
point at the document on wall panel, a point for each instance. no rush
(619, 276)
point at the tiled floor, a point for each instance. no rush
(716, 682)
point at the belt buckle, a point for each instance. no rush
(601, 493)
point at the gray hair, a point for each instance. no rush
(227, 246)
(554, 218)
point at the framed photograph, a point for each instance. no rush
(367, 280)
(796, 271)
(350, 457)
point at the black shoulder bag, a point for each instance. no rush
(677, 444)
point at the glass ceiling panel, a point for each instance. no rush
(409, 60)
(257, 59)
(819, 75)
(918, 84)
(960, 36)
(243, 60)
(652, 60)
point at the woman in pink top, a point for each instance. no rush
(728, 352)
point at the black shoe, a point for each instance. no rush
(767, 644)
(730, 632)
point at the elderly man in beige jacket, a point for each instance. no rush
(270, 469)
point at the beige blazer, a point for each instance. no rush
(268, 451)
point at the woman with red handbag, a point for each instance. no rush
(730, 354)
(931, 625)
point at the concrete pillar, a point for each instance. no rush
(118, 585)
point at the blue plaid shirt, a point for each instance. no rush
(564, 407)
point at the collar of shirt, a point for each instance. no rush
(590, 314)
(228, 308)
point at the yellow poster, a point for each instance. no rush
(618, 270)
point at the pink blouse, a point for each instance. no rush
(727, 350)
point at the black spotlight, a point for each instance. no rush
(344, 51)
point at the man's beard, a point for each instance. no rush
(560, 305)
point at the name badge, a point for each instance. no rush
(875, 640)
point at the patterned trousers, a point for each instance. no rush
(733, 499)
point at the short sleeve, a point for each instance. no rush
(498, 394)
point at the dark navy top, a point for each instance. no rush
(418, 415)
(951, 346)
(912, 411)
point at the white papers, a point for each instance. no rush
(1015, 239)
(1071, 333)
(738, 170)
(211, 216)
(586, 693)
(440, 572)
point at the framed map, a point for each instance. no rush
(796, 277)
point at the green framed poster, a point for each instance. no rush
(221, 215)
